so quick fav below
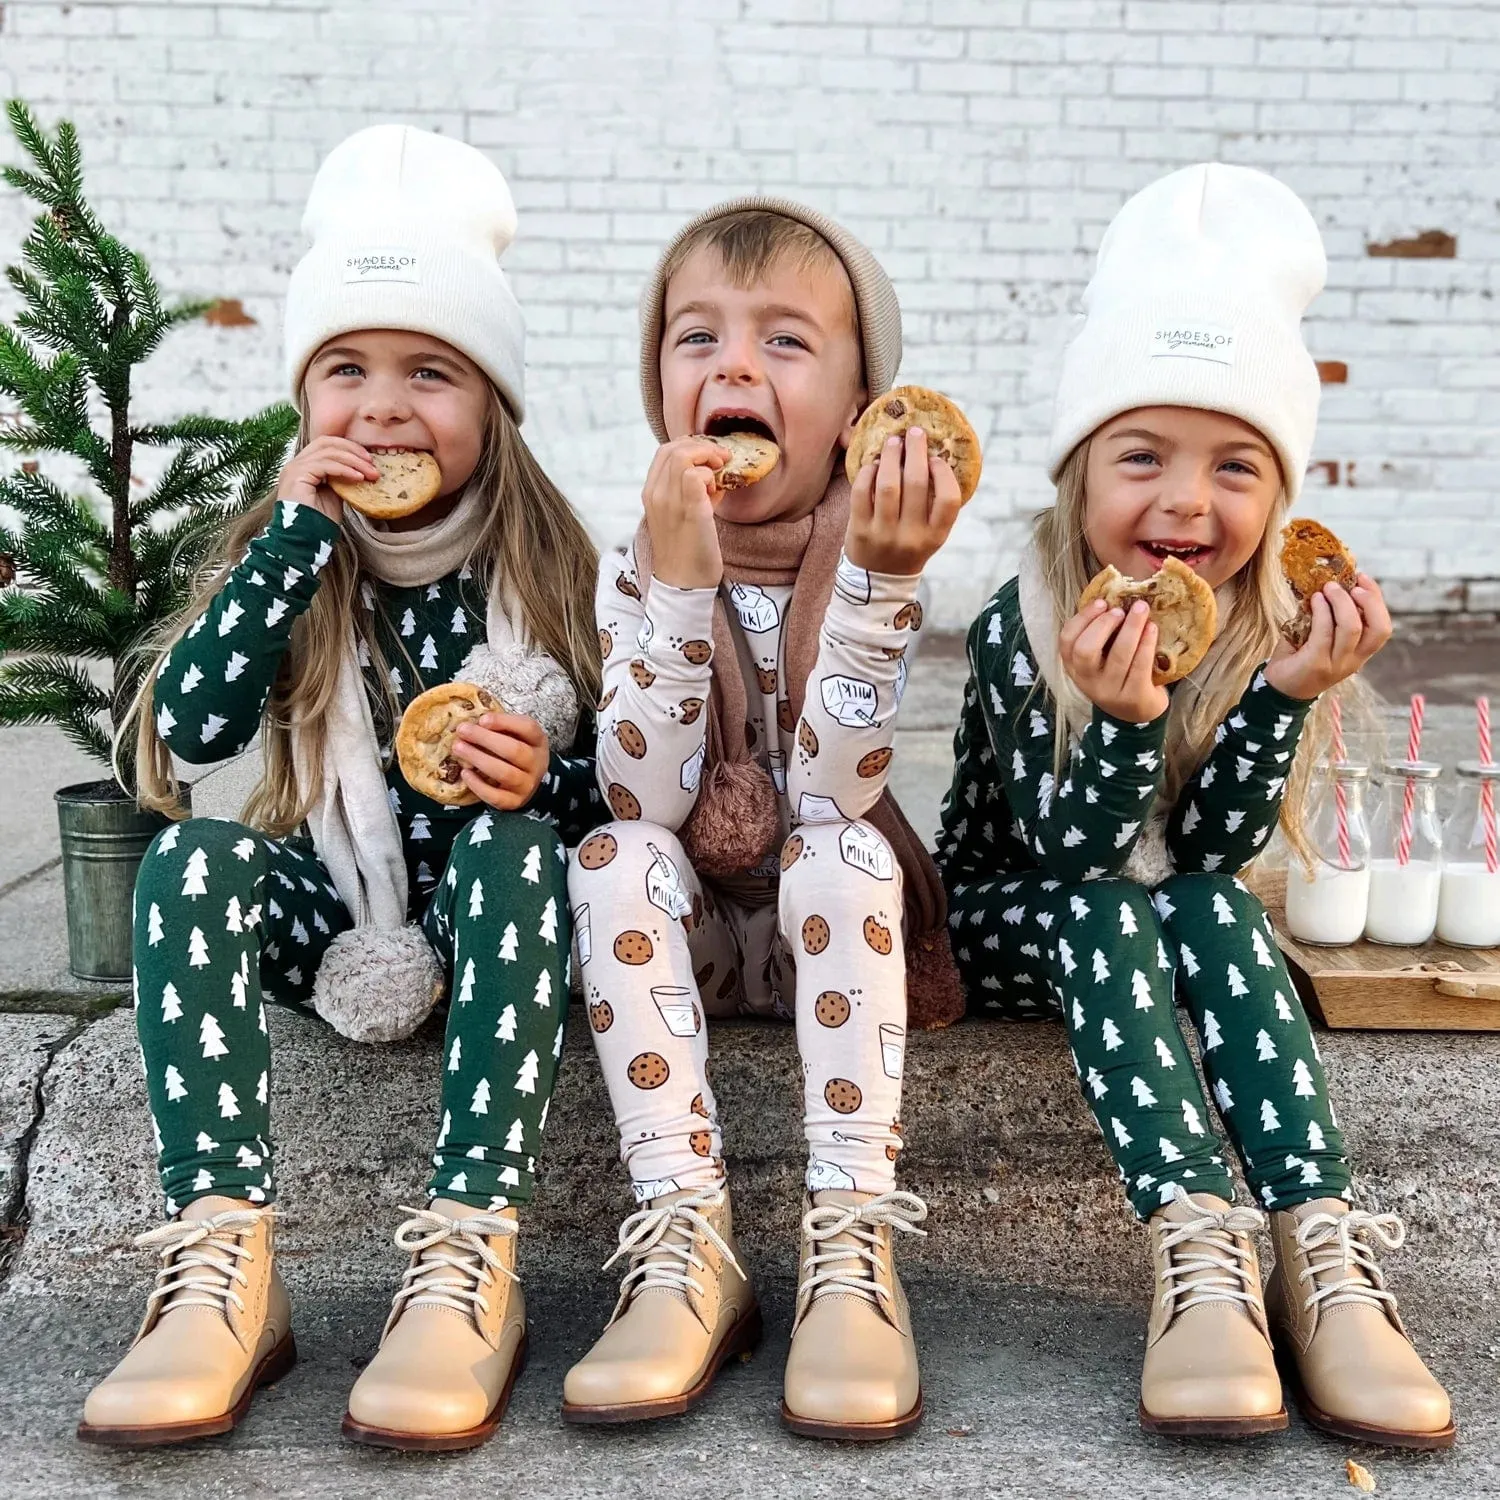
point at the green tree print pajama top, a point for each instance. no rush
(1044, 924)
(225, 916)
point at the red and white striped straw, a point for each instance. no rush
(1408, 801)
(1340, 792)
(1487, 788)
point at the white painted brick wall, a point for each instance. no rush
(980, 146)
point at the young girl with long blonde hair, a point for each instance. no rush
(315, 630)
(1096, 823)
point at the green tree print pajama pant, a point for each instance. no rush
(224, 915)
(1109, 955)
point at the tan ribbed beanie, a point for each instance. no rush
(874, 298)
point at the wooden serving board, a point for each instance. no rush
(1368, 986)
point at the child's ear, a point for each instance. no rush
(851, 421)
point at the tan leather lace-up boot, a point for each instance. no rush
(1209, 1369)
(455, 1341)
(685, 1307)
(852, 1371)
(218, 1325)
(1351, 1362)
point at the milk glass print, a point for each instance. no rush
(1406, 856)
(1469, 898)
(1327, 905)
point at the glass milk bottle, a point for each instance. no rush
(1469, 900)
(1406, 856)
(1327, 906)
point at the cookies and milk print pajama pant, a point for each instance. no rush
(224, 916)
(663, 952)
(1111, 957)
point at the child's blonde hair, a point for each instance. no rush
(532, 542)
(1248, 633)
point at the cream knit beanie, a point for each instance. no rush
(1197, 300)
(407, 231)
(874, 298)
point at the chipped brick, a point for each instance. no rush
(1326, 469)
(228, 312)
(1431, 244)
(1333, 371)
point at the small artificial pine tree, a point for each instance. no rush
(88, 577)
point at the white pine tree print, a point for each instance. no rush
(1191, 818)
(236, 664)
(1212, 1036)
(1097, 1084)
(166, 721)
(1302, 1082)
(421, 827)
(1224, 1098)
(205, 1142)
(1190, 1118)
(168, 841)
(262, 1087)
(153, 925)
(1162, 961)
(1283, 1010)
(1020, 669)
(233, 916)
(1164, 1053)
(1140, 987)
(480, 1103)
(509, 1177)
(479, 829)
(1112, 1039)
(531, 870)
(475, 1153)
(466, 987)
(244, 850)
(1168, 1151)
(211, 1036)
(1310, 1173)
(237, 994)
(476, 899)
(1127, 920)
(526, 1078)
(176, 1088)
(1077, 1015)
(1315, 1141)
(211, 727)
(198, 949)
(506, 1031)
(1269, 1119)
(231, 617)
(1122, 1136)
(192, 878)
(229, 1105)
(443, 1133)
(1237, 985)
(1222, 909)
(1189, 959)
(171, 1002)
(1142, 1091)
(203, 1181)
(429, 658)
(514, 1141)
(508, 943)
(408, 624)
(1262, 950)
(1265, 1048)
(460, 1183)
(458, 625)
(548, 930)
(454, 1054)
(1101, 968)
(245, 1157)
(542, 995)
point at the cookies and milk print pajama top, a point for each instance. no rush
(224, 915)
(662, 949)
(1043, 924)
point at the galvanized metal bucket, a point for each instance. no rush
(104, 835)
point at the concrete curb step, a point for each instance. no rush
(1002, 1147)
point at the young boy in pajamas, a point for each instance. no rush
(754, 643)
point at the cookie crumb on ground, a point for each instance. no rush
(1359, 1476)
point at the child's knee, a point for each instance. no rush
(820, 859)
(614, 860)
(217, 845)
(501, 844)
(1187, 901)
(1098, 908)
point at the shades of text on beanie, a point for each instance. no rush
(1197, 300)
(874, 298)
(407, 231)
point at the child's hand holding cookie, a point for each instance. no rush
(680, 496)
(1110, 653)
(1348, 627)
(505, 757)
(902, 508)
(306, 475)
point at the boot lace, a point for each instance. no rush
(200, 1259)
(1206, 1249)
(856, 1266)
(662, 1244)
(1344, 1240)
(453, 1262)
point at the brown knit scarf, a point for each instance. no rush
(734, 822)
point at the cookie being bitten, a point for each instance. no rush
(407, 482)
(1312, 556)
(949, 435)
(1183, 609)
(424, 741)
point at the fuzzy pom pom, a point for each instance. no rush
(527, 682)
(734, 823)
(1150, 863)
(378, 984)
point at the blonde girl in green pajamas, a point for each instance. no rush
(315, 631)
(1096, 822)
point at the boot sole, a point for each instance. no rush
(1213, 1427)
(441, 1442)
(1362, 1432)
(277, 1362)
(742, 1338)
(852, 1432)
